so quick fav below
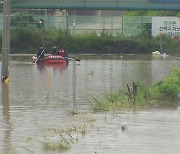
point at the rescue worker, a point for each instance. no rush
(40, 53)
(54, 51)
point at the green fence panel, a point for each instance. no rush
(117, 25)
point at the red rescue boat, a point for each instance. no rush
(50, 59)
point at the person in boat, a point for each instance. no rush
(161, 52)
(40, 52)
(58, 53)
(54, 51)
(63, 53)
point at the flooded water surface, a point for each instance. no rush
(47, 105)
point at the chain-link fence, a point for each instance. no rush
(116, 25)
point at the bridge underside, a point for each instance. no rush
(98, 4)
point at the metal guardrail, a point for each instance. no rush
(98, 4)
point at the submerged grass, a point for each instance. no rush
(61, 139)
(61, 145)
(163, 93)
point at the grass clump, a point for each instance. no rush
(170, 86)
(114, 101)
(56, 139)
(61, 145)
(61, 139)
(163, 93)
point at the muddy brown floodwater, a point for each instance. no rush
(40, 99)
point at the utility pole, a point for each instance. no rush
(5, 40)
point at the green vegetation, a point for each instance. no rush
(28, 40)
(62, 144)
(163, 93)
(61, 139)
(169, 87)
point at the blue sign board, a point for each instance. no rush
(164, 1)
